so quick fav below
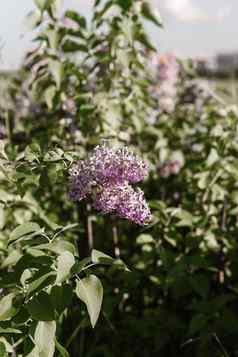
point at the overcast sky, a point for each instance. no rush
(191, 27)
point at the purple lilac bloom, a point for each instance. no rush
(125, 201)
(105, 177)
(118, 166)
(133, 206)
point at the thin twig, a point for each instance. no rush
(74, 334)
(116, 241)
(224, 216)
(222, 348)
(90, 229)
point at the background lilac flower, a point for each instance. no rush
(105, 177)
(170, 168)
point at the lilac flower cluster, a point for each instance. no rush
(105, 178)
(168, 77)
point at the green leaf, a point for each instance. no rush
(7, 310)
(56, 6)
(99, 14)
(58, 246)
(53, 38)
(200, 284)
(43, 280)
(3, 352)
(32, 152)
(144, 239)
(65, 228)
(81, 265)
(57, 70)
(49, 96)
(2, 217)
(10, 330)
(54, 155)
(151, 14)
(62, 351)
(41, 308)
(144, 39)
(203, 179)
(125, 4)
(11, 259)
(213, 157)
(43, 4)
(185, 218)
(44, 338)
(61, 297)
(197, 323)
(72, 46)
(23, 230)
(8, 347)
(64, 264)
(80, 20)
(99, 257)
(90, 291)
(27, 274)
(33, 19)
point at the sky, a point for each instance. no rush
(191, 27)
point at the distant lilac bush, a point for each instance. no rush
(165, 68)
(168, 76)
(105, 177)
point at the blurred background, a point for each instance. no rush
(205, 31)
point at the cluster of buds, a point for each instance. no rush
(106, 177)
(168, 78)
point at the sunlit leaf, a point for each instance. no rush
(44, 338)
(7, 310)
(24, 230)
(90, 291)
(64, 264)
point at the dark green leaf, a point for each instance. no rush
(73, 15)
(40, 307)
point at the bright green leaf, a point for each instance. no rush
(33, 19)
(99, 257)
(23, 230)
(90, 291)
(44, 338)
(57, 71)
(64, 264)
(43, 280)
(49, 96)
(144, 239)
(7, 310)
(151, 14)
